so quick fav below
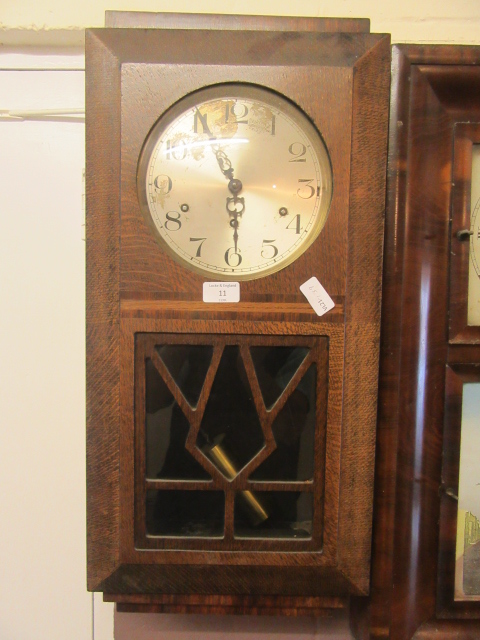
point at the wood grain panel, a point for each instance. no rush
(362, 305)
(102, 305)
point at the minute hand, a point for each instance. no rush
(235, 208)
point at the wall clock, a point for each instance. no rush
(425, 583)
(231, 443)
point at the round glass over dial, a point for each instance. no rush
(235, 182)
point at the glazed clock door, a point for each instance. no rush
(230, 441)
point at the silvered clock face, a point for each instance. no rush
(235, 182)
(474, 266)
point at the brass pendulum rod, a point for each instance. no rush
(255, 510)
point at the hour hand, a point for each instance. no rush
(235, 208)
(222, 158)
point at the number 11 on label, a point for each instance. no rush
(221, 292)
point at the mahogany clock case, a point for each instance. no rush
(139, 298)
(428, 350)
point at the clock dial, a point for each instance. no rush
(235, 182)
(474, 266)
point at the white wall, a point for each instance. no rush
(42, 592)
(42, 450)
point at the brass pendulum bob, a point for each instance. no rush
(253, 507)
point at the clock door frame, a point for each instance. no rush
(435, 89)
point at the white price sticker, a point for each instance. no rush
(221, 292)
(317, 296)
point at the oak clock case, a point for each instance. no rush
(231, 446)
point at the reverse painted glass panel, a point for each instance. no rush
(467, 566)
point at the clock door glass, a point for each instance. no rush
(185, 513)
(228, 430)
(235, 182)
(288, 514)
(474, 264)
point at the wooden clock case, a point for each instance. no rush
(138, 297)
(428, 351)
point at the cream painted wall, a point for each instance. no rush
(407, 21)
(42, 535)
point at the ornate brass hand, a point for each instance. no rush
(235, 205)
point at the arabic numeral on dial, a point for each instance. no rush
(163, 184)
(173, 222)
(306, 191)
(233, 258)
(294, 224)
(177, 150)
(298, 150)
(269, 250)
(235, 112)
(199, 248)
